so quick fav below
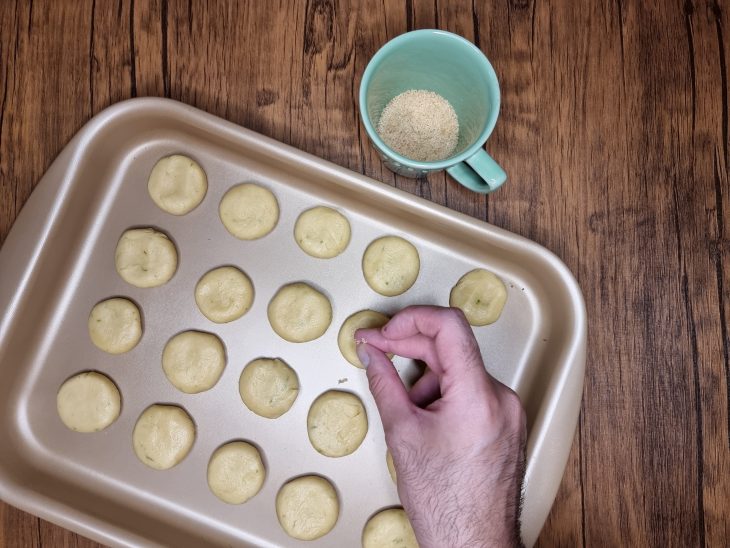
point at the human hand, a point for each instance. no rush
(457, 437)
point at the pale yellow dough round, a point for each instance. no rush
(322, 232)
(145, 257)
(115, 325)
(307, 507)
(249, 211)
(268, 387)
(163, 436)
(193, 361)
(391, 265)
(299, 313)
(224, 294)
(88, 402)
(337, 423)
(177, 184)
(480, 295)
(391, 466)
(236, 472)
(365, 319)
(389, 529)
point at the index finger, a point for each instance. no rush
(459, 358)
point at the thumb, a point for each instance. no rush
(388, 391)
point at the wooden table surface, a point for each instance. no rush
(613, 130)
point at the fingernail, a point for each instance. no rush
(363, 354)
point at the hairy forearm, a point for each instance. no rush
(457, 501)
(457, 439)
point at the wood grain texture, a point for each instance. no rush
(19, 529)
(613, 130)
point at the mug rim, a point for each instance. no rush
(384, 50)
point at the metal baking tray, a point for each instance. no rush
(58, 261)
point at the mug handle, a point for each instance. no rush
(479, 173)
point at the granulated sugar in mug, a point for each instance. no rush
(420, 125)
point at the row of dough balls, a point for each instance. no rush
(307, 507)
(177, 184)
(145, 258)
(297, 312)
(115, 326)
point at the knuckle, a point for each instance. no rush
(513, 409)
(471, 353)
(455, 315)
(458, 327)
(504, 412)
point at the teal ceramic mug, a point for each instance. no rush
(456, 69)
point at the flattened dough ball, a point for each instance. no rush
(391, 467)
(193, 361)
(299, 313)
(163, 436)
(224, 294)
(115, 325)
(145, 257)
(88, 402)
(268, 387)
(249, 211)
(307, 507)
(391, 265)
(389, 529)
(236, 472)
(480, 295)
(364, 319)
(177, 184)
(337, 423)
(322, 232)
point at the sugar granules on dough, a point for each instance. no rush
(420, 125)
